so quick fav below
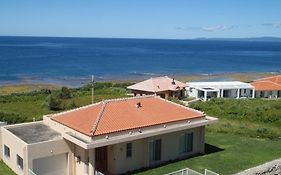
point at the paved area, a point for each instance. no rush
(35, 132)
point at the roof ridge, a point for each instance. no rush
(95, 126)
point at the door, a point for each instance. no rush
(101, 159)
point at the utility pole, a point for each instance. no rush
(93, 89)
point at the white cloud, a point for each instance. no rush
(273, 24)
(207, 28)
(217, 28)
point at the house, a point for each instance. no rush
(269, 87)
(222, 89)
(109, 137)
(163, 86)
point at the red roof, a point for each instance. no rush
(268, 83)
(124, 114)
(266, 86)
(158, 84)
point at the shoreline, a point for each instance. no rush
(71, 82)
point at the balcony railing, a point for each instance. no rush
(188, 171)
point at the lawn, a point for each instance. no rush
(5, 170)
(226, 154)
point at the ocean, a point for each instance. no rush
(74, 60)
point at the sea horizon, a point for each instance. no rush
(71, 60)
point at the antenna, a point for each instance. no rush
(93, 89)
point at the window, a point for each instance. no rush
(20, 162)
(129, 150)
(186, 143)
(245, 91)
(6, 151)
(155, 150)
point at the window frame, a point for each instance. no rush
(20, 162)
(6, 148)
(155, 150)
(129, 150)
(186, 141)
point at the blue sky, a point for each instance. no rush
(141, 18)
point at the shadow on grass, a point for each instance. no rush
(209, 149)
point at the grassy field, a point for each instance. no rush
(248, 132)
(20, 88)
(245, 117)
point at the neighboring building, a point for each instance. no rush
(269, 87)
(223, 89)
(163, 86)
(112, 137)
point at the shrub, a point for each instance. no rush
(11, 118)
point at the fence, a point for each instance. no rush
(188, 171)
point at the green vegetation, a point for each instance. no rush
(226, 154)
(22, 107)
(248, 117)
(5, 170)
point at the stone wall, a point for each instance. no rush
(269, 168)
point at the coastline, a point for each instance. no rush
(72, 82)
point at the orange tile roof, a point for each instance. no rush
(275, 79)
(123, 114)
(268, 83)
(158, 84)
(266, 86)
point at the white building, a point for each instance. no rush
(223, 89)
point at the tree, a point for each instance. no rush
(54, 103)
(65, 93)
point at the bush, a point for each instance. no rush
(65, 93)
(54, 103)
(11, 118)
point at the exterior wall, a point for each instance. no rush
(267, 94)
(48, 149)
(118, 163)
(192, 92)
(17, 147)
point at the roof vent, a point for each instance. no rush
(138, 105)
(173, 82)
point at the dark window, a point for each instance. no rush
(6, 151)
(129, 150)
(245, 91)
(186, 143)
(20, 162)
(155, 150)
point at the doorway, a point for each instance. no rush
(101, 159)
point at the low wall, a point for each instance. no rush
(269, 168)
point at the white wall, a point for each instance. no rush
(118, 163)
(17, 147)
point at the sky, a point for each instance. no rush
(170, 19)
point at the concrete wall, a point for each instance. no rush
(48, 149)
(17, 147)
(118, 163)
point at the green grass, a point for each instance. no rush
(234, 154)
(31, 105)
(5, 170)
(248, 117)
